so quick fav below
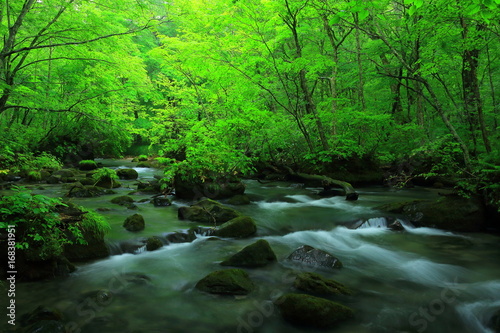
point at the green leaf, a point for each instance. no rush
(418, 3)
(474, 9)
(412, 10)
(363, 14)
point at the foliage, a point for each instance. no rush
(104, 174)
(40, 231)
(94, 223)
(37, 223)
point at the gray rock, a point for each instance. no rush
(307, 255)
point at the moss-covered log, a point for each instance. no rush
(325, 182)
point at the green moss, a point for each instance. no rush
(311, 311)
(227, 282)
(239, 227)
(122, 200)
(257, 254)
(317, 284)
(134, 223)
(87, 165)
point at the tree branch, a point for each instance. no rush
(29, 48)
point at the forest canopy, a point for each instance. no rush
(225, 85)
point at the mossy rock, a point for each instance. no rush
(144, 165)
(123, 200)
(85, 191)
(227, 282)
(161, 201)
(87, 181)
(108, 183)
(54, 179)
(239, 227)
(316, 284)
(153, 243)
(239, 200)
(127, 173)
(207, 211)
(95, 248)
(134, 223)
(311, 311)
(257, 254)
(87, 165)
(450, 212)
(307, 255)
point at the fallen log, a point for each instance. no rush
(326, 182)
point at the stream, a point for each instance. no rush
(417, 280)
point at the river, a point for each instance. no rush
(418, 280)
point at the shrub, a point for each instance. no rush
(105, 175)
(41, 231)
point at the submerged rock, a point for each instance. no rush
(257, 254)
(39, 314)
(207, 211)
(379, 222)
(227, 282)
(134, 223)
(239, 227)
(310, 256)
(317, 284)
(311, 311)
(494, 322)
(46, 326)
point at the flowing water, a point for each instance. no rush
(418, 280)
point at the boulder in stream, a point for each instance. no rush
(134, 223)
(310, 311)
(257, 254)
(123, 200)
(227, 282)
(239, 227)
(161, 201)
(307, 255)
(127, 173)
(153, 243)
(85, 191)
(207, 211)
(316, 284)
(450, 212)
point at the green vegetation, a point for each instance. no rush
(104, 176)
(218, 88)
(41, 228)
(87, 165)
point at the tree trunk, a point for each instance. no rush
(471, 92)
